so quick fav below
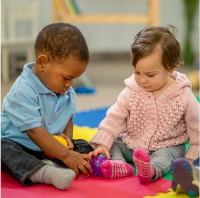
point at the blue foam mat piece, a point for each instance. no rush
(91, 118)
(85, 90)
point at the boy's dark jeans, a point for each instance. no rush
(20, 161)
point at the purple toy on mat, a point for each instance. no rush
(96, 164)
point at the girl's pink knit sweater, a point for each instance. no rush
(143, 121)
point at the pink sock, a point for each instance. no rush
(142, 161)
(116, 169)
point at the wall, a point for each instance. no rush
(113, 38)
(117, 38)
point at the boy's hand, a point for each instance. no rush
(52, 147)
(78, 162)
(100, 149)
(86, 157)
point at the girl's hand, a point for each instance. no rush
(100, 149)
(69, 142)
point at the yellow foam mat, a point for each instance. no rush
(85, 133)
(169, 194)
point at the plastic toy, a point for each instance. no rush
(85, 90)
(61, 140)
(96, 164)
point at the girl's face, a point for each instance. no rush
(150, 72)
(58, 76)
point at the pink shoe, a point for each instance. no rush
(116, 169)
(142, 161)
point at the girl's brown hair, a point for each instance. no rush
(148, 38)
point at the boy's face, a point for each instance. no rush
(150, 72)
(57, 76)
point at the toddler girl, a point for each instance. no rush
(154, 115)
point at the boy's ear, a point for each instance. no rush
(42, 62)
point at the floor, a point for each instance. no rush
(105, 74)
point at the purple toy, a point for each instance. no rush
(96, 164)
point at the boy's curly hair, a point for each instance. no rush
(149, 37)
(59, 40)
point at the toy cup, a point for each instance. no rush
(96, 164)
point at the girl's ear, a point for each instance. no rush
(171, 71)
(42, 62)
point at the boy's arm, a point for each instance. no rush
(68, 133)
(48, 144)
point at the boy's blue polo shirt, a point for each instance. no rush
(30, 104)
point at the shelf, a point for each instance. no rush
(107, 18)
(151, 17)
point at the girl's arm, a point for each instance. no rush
(192, 121)
(114, 123)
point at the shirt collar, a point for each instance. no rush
(34, 80)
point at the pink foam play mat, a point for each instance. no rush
(90, 187)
